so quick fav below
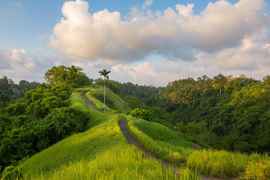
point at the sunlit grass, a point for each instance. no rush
(102, 152)
(122, 162)
(163, 142)
(83, 146)
(259, 170)
(112, 99)
(217, 163)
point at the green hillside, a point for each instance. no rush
(103, 152)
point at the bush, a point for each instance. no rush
(142, 114)
(36, 135)
(64, 121)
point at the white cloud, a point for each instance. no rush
(18, 64)
(174, 33)
(154, 48)
(148, 3)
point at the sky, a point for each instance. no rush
(149, 42)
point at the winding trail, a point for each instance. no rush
(86, 100)
(131, 139)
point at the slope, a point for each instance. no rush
(102, 152)
(99, 153)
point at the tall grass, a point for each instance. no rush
(83, 146)
(259, 170)
(187, 174)
(217, 163)
(113, 100)
(164, 146)
(96, 117)
(229, 164)
(120, 163)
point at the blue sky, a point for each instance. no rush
(28, 23)
(230, 37)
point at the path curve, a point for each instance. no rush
(131, 139)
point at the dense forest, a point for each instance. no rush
(222, 112)
(35, 116)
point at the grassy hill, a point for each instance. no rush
(102, 152)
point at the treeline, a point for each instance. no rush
(224, 112)
(42, 114)
(10, 91)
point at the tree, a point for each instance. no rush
(145, 114)
(105, 75)
(62, 75)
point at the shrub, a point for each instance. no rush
(142, 113)
(64, 121)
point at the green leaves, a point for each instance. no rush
(70, 76)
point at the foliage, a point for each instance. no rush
(37, 120)
(62, 75)
(142, 113)
(11, 91)
(223, 112)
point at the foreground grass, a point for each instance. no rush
(83, 146)
(121, 162)
(170, 146)
(160, 140)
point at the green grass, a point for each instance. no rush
(102, 152)
(121, 162)
(96, 116)
(161, 133)
(99, 153)
(112, 99)
(160, 140)
(223, 163)
(217, 163)
(171, 146)
(83, 146)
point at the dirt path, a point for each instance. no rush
(86, 100)
(131, 139)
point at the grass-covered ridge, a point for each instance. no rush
(99, 153)
(102, 152)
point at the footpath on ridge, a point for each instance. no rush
(131, 139)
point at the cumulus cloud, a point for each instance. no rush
(176, 33)
(149, 47)
(19, 64)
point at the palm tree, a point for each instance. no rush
(105, 75)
